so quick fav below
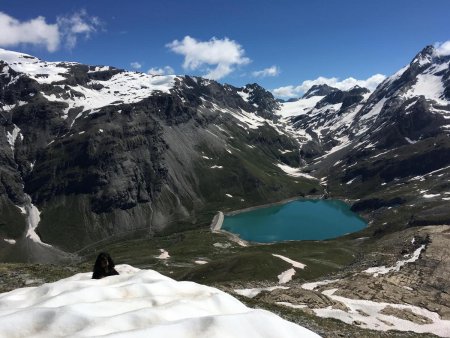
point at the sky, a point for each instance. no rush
(286, 45)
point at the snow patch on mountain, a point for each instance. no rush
(286, 276)
(371, 315)
(295, 264)
(125, 87)
(252, 293)
(294, 172)
(382, 270)
(164, 254)
(430, 86)
(11, 137)
(41, 71)
(299, 107)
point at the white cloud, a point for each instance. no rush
(135, 65)
(224, 54)
(294, 91)
(271, 71)
(35, 31)
(167, 70)
(442, 48)
(38, 32)
(79, 23)
(286, 91)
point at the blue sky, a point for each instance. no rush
(275, 43)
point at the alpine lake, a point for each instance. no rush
(296, 220)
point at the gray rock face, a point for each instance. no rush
(100, 160)
(319, 90)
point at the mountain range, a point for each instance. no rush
(92, 152)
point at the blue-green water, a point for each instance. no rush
(297, 220)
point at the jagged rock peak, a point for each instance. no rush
(424, 57)
(358, 90)
(319, 90)
(347, 98)
(261, 98)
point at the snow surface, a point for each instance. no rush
(299, 107)
(245, 96)
(33, 218)
(200, 262)
(410, 141)
(431, 195)
(251, 293)
(11, 137)
(137, 303)
(41, 71)
(430, 86)
(124, 87)
(369, 315)
(382, 270)
(286, 276)
(314, 285)
(295, 264)
(294, 306)
(376, 109)
(294, 172)
(164, 254)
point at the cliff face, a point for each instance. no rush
(101, 151)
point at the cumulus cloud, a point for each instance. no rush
(77, 24)
(223, 54)
(286, 91)
(271, 71)
(167, 70)
(35, 31)
(442, 48)
(294, 91)
(135, 65)
(38, 32)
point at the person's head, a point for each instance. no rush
(104, 262)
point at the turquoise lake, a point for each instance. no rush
(297, 220)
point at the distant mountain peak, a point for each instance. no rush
(319, 90)
(424, 57)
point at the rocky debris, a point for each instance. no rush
(13, 276)
(406, 314)
(422, 283)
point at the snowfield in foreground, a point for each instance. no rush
(137, 303)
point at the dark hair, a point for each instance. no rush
(100, 270)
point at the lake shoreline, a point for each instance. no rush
(217, 222)
(216, 227)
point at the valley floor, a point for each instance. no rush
(374, 287)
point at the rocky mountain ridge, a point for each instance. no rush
(99, 151)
